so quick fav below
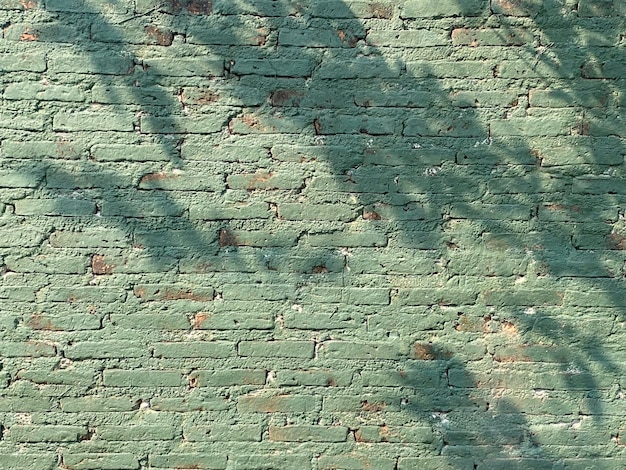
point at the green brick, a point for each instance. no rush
(224, 433)
(265, 180)
(269, 461)
(527, 8)
(354, 461)
(22, 62)
(257, 292)
(148, 378)
(407, 38)
(33, 461)
(181, 181)
(95, 63)
(278, 404)
(194, 349)
(445, 69)
(314, 377)
(24, 404)
(198, 124)
(190, 404)
(184, 66)
(224, 378)
(203, 460)
(439, 8)
(523, 297)
(273, 67)
(491, 37)
(296, 349)
(361, 67)
(346, 239)
(139, 153)
(35, 149)
(105, 349)
(92, 238)
(41, 92)
(74, 122)
(395, 434)
(48, 263)
(61, 206)
(202, 211)
(59, 377)
(32, 433)
(28, 349)
(100, 461)
(85, 294)
(20, 178)
(361, 351)
(151, 321)
(308, 433)
(136, 432)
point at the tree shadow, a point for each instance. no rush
(449, 220)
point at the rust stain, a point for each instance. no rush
(261, 38)
(139, 292)
(466, 323)
(64, 148)
(561, 207)
(199, 318)
(162, 37)
(99, 266)
(509, 328)
(41, 322)
(616, 241)
(27, 35)
(183, 294)
(28, 4)
(373, 407)
(157, 177)
(371, 215)
(227, 238)
(320, 269)
(195, 7)
(381, 10)
(206, 97)
(259, 179)
(285, 97)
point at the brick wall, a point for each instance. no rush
(281, 234)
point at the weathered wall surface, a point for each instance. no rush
(284, 234)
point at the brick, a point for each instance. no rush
(395, 434)
(62, 149)
(239, 211)
(516, 8)
(100, 461)
(354, 461)
(346, 239)
(446, 69)
(362, 67)
(278, 404)
(314, 377)
(139, 153)
(33, 461)
(491, 37)
(148, 378)
(197, 124)
(27, 349)
(22, 62)
(211, 461)
(58, 377)
(273, 67)
(194, 349)
(224, 378)
(136, 432)
(297, 349)
(265, 180)
(105, 349)
(360, 351)
(109, 63)
(441, 8)
(224, 433)
(257, 292)
(407, 38)
(308, 433)
(269, 461)
(40, 92)
(184, 66)
(24, 404)
(61, 206)
(73, 122)
(59, 433)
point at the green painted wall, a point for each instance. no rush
(290, 234)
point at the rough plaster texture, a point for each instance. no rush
(280, 234)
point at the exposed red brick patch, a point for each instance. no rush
(100, 266)
(162, 37)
